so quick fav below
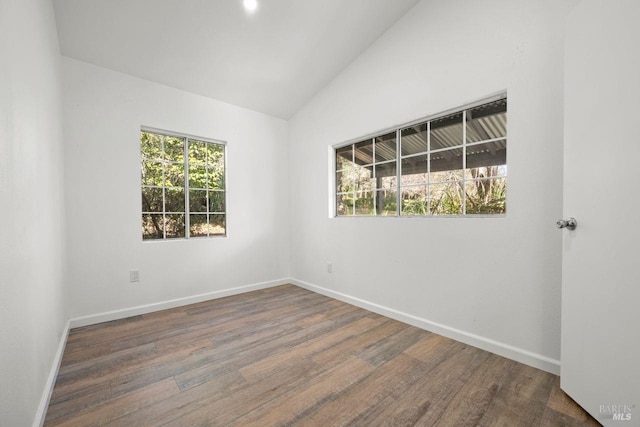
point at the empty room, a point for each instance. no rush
(288, 212)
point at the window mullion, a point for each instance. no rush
(187, 215)
(398, 175)
(428, 168)
(355, 181)
(375, 176)
(164, 191)
(464, 162)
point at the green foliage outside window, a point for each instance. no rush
(170, 201)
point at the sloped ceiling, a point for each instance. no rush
(272, 61)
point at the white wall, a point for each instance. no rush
(103, 112)
(32, 295)
(492, 282)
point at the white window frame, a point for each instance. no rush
(187, 188)
(333, 205)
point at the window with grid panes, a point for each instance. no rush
(183, 186)
(454, 164)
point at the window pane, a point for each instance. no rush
(215, 178)
(385, 174)
(487, 121)
(197, 152)
(174, 149)
(364, 203)
(174, 200)
(175, 227)
(151, 173)
(215, 155)
(345, 181)
(486, 196)
(151, 199)
(197, 176)
(387, 183)
(151, 146)
(414, 200)
(446, 165)
(364, 179)
(414, 170)
(344, 157)
(366, 185)
(414, 139)
(385, 147)
(174, 174)
(487, 160)
(386, 202)
(446, 199)
(217, 225)
(446, 131)
(198, 201)
(344, 204)
(364, 152)
(198, 226)
(152, 227)
(216, 201)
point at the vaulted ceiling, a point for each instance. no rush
(273, 60)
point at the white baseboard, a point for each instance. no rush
(51, 379)
(163, 305)
(520, 355)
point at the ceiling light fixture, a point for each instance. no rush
(250, 5)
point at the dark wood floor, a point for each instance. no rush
(287, 356)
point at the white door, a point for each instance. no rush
(601, 257)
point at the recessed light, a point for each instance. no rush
(250, 5)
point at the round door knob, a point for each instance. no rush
(569, 224)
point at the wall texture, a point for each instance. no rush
(494, 282)
(103, 112)
(32, 294)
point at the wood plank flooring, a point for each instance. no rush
(288, 356)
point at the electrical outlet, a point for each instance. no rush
(329, 267)
(134, 275)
